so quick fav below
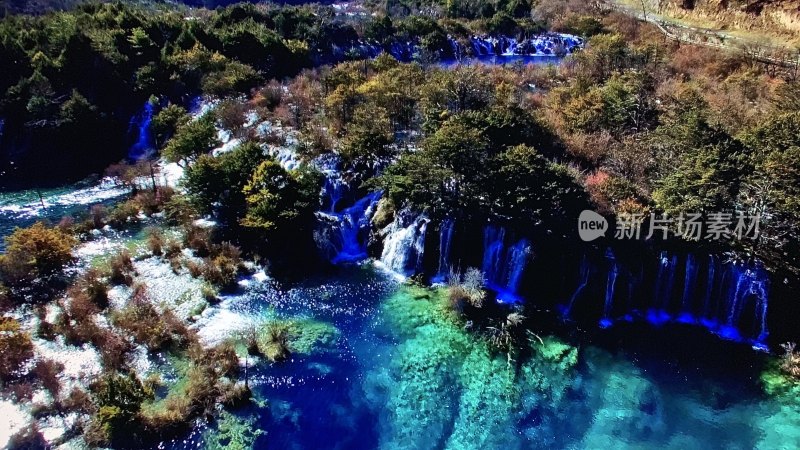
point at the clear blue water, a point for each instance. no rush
(400, 377)
(24, 208)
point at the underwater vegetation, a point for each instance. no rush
(277, 339)
(448, 387)
(232, 433)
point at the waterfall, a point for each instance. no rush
(504, 267)
(404, 244)
(712, 263)
(492, 251)
(144, 145)
(728, 298)
(446, 230)
(611, 282)
(345, 233)
(516, 261)
(584, 280)
(686, 314)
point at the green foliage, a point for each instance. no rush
(34, 252)
(586, 26)
(277, 199)
(706, 181)
(529, 187)
(368, 138)
(623, 104)
(191, 140)
(220, 181)
(119, 398)
(167, 121)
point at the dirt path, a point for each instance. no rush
(710, 37)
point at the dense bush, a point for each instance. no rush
(34, 252)
(156, 330)
(93, 286)
(15, 346)
(121, 268)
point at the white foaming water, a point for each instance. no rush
(108, 188)
(179, 292)
(404, 244)
(14, 420)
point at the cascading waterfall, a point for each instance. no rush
(446, 231)
(658, 312)
(611, 282)
(689, 280)
(729, 298)
(584, 280)
(404, 244)
(504, 267)
(493, 238)
(346, 232)
(548, 44)
(712, 263)
(343, 232)
(145, 144)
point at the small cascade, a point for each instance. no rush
(345, 233)
(404, 244)
(712, 264)
(504, 266)
(583, 281)
(611, 283)
(663, 289)
(689, 280)
(145, 144)
(344, 230)
(493, 238)
(515, 263)
(446, 231)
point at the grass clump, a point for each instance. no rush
(155, 240)
(220, 271)
(466, 289)
(92, 287)
(277, 339)
(790, 361)
(156, 330)
(128, 413)
(47, 371)
(210, 293)
(121, 268)
(273, 341)
(15, 347)
(205, 381)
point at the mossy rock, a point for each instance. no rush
(776, 383)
